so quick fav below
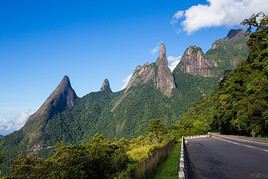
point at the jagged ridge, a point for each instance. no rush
(157, 72)
(66, 117)
(62, 98)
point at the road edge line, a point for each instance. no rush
(239, 144)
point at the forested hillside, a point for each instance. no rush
(153, 92)
(240, 104)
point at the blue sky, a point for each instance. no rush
(41, 41)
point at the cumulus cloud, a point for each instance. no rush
(176, 17)
(220, 13)
(125, 81)
(173, 62)
(9, 125)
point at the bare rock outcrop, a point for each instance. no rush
(195, 63)
(157, 72)
(105, 87)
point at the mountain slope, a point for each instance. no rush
(152, 92)
(240, 105)
(229, 51)
(62, 98)
(197, 74)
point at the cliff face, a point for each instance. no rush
(157, 72)
(164, 78)
(142, 75)
(62, 98)
(195, 63)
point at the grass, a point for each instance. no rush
(263, 138)
(168, 168)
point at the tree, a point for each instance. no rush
(157, 128)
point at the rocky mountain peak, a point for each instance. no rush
(158, 73)
(193, 49)
(64, 84)
(162, 50)
(164, 78)
(162, 59)
(62, 98)
(195, 63)
(106, 86)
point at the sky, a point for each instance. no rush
(41, 41)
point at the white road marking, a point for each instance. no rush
(244, 145)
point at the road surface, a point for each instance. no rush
(227, 157)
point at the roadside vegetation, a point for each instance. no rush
(97, 158)
(169, 168)
(240, 105)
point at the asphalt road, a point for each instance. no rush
(220, 158)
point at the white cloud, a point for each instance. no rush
(8, 125)
(176, 17)
(125, 81)
(173, 62)
(5, 126)
(220, 13)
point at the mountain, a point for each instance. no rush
(62, 98)
(105, 87)
(198, 73)
(240, 105)
(229, 51)
(194, 62)
(157, 72)
(153, 92)
(28, 138)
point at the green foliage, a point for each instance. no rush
(228, 53)
(99, 158)
(240, 104)
(157, 128)
(30, 167)
(169, 168)
(198, 119)
(158, 136)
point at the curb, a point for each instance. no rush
(182, 169)
(182, 174)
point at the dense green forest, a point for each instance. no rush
(96, 158)
(240, 104)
